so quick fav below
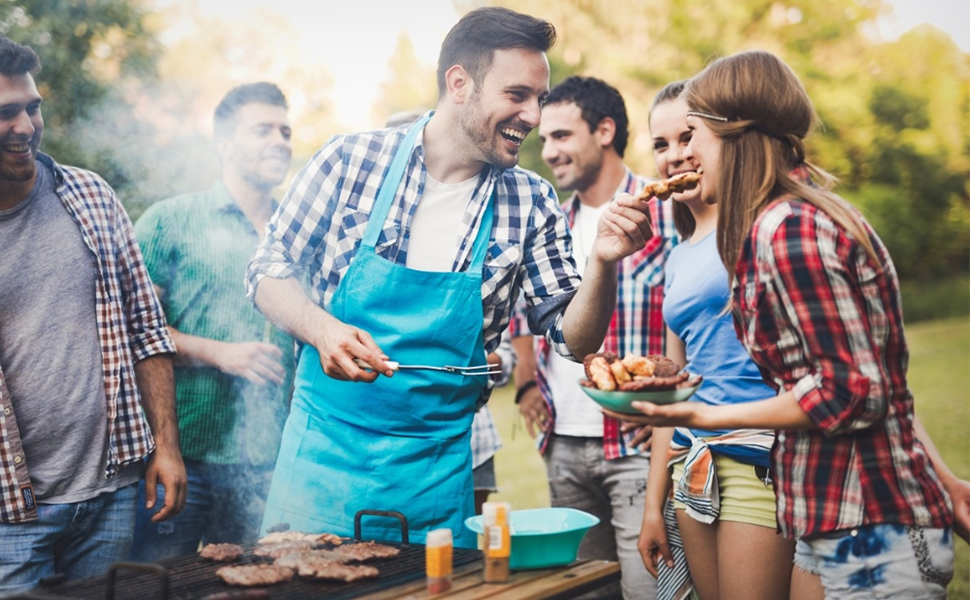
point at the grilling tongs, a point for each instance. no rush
(483, 370)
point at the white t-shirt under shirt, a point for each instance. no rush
(432, 245)
(576, 414)
(433, 242)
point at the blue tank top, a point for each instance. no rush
(695, 296)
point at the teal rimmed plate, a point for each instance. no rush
(621, 401)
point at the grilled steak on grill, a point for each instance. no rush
(293, 560)
(367, 550)
(328, 569)
(325, 564)
(248, 575)
(281, 548)
(296, 536)
(221, 552)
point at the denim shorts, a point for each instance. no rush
(880, 561)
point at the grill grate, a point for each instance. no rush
(193, 577)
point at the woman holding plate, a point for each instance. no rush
(815, 301)
(725, 505)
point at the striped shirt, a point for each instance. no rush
(823, 321)
(637, 325)
(698, 486)
(486, 440)
(131, 327)
(196, 248)
(320, 222)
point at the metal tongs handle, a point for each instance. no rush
(483, 370)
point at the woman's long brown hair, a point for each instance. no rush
(769, 115)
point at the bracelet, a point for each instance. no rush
(522, 390)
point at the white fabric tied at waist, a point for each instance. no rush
(697, 489)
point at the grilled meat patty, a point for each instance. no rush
(366, 551)
(250, 575)
(221, 552)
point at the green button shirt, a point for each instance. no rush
(197, 247)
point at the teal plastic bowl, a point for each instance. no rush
(543, 537)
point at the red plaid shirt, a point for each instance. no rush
(822, 320)
(637, 326)
(131, 327)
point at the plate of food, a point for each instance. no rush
(616, 383)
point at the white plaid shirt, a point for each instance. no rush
(131, 327)
(320, 222)
(486, 440)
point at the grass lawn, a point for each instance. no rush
(939, 376)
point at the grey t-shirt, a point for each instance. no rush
(50, 351)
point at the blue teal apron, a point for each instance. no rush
(401, 443)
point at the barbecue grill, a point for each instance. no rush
(193, 577)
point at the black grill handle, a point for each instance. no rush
(130, 566)
(381, 513)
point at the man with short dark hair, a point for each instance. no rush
(233, 370)
(591, 464)
(85, 359)
(417, 241)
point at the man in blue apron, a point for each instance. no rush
(415, 242)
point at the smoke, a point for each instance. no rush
(148, 143)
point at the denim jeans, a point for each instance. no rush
(613, 490)
(80, 540)
(880, 561)
(225, 505)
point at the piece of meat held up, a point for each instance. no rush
(667, 187)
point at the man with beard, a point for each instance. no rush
(85, 359)
(233, 369)
(417, 241)
(591, 464)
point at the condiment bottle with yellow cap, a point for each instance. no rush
(498, 544)
(438, 552)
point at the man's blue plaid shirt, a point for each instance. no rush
(320, 222)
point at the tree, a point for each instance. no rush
(410, 85)
(90, 50)
(896, 128)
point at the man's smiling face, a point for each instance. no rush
(500, 113)
(21, 127)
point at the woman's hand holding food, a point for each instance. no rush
(680, 414)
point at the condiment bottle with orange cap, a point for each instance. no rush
(498, 541)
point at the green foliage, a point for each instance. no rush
(85, 47)
(412, 86)
(896, 108)
(934, 300)
(88, 49)
(895, 116)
